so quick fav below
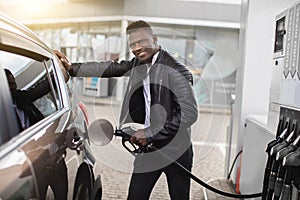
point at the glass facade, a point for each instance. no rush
(210, 53)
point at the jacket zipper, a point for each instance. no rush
(159, 90)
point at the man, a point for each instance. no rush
(159, 95)
(27, 113)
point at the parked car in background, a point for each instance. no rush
(49, 158)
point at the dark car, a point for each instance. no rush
(45, 154)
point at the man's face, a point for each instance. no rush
(142, 44)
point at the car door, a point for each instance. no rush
(32, 158)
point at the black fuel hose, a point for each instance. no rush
(125, 139)
(199, 181)
(234, 161)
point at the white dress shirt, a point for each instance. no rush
(146, 91)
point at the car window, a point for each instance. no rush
(33, 87)
(55, 87)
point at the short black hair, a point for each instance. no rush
(137, 25)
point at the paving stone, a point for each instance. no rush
(208, 160)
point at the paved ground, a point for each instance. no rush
(225, 185)
(115, 164)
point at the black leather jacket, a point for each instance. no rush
(173, 105)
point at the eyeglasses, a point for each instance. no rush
(140, 42)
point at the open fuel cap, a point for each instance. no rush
(101, 132)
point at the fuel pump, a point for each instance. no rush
(282, 167)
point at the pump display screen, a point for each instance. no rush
(279, 35)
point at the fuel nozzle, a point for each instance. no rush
(281, 135)
(276, 148)
(292, 159)
(275, 169)
(126, 131)
(285, 151)
(292, 164)
(282, 131)
(282, 170)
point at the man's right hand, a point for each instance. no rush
(64, 59)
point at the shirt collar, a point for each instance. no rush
(154, 58)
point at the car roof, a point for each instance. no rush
(16, 38)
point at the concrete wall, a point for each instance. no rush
(109, 8)
(184, 10)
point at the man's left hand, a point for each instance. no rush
(139, 138)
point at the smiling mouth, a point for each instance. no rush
(141, 54)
